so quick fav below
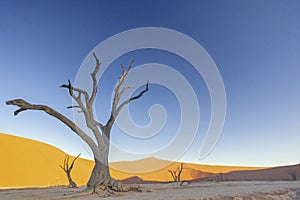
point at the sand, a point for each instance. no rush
(36, 164)
(283, 190)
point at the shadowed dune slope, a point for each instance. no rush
(273, 174)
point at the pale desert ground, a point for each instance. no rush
(281, 190)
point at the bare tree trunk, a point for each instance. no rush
(71, 182)
(99, 176)
(100, 181)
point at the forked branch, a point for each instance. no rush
(119, 93)
(77, 97)
(132, 98)
(173, 174)
(116, 107)
(87, 106)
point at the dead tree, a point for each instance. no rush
(173, 174)
(293, 175)
(221, 177)
(176, 174)
(100, 180)
(67, 169)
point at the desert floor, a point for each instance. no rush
(194, 191)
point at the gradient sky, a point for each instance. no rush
(255, 44)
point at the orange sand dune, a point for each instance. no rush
(26, 163)
(29, 163)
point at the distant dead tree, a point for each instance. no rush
(176, 174)
(293, 175)
(173, 174)
(100, 181)
(67, 169)
(220, 177)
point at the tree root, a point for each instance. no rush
(113, 187)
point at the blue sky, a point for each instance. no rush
(255, 45)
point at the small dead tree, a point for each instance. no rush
(179, 169)
(219, 177)
(100, 181)
(293, 175)
(67, 169)
(176, 174)
(173, 174)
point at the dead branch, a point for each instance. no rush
(87, 106)
(69, 107)
(94, 79)
(24, 105)
(116, 109)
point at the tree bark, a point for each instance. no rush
(100, 181)
(100, 174)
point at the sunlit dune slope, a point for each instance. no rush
(26, 163)
(29, 163)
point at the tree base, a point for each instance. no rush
(111, 187)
